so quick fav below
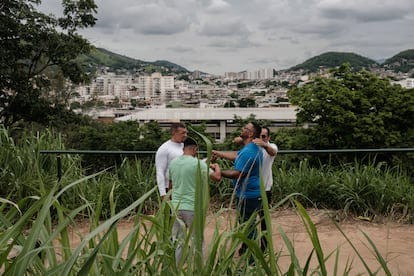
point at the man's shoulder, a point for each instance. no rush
(165, 146)
(251, 148)
(186, 161)
(273, 145)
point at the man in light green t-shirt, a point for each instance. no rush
(183, 171)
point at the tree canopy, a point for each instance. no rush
(356, 109)
(31, 43)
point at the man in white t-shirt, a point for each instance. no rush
(166, 153)
(269, 151)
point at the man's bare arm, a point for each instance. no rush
(216, 174)
(232, 174)
(229, 155)
(269, 149)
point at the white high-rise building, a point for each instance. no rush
(154, 86)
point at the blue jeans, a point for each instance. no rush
(247, 207)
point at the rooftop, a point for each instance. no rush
(201, 114)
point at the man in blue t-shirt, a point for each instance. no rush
(246, 176)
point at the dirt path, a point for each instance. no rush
(394, 241)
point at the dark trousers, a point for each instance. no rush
(247, 207)
(263, 240)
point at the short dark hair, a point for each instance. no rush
(175, 126)
(257, 129)
(189, 142)
(268, 131)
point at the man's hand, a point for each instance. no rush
(238, 140)
(259, 142)
(216, 174)
(229, 155)
(215, 154)
(214, 166)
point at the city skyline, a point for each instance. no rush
(218, 36)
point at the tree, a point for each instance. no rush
(229, 104)
(246, 102)
(33, 43)
(356, 109)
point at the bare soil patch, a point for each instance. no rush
(394, 241)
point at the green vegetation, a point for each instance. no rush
(171, 66)
(34, 44)
(100, 57)
(401, 62)
(40, 52)
(373, 188)
(39, 248)
(246, 102)
(335, 59)
(37, 224)
(355, 109)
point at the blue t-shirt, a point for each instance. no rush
(248, 161)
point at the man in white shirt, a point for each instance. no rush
(269, 151)
(166, 153)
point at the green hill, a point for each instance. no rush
(401, 62)
(174, 67)
(100, 57)
(334, 59)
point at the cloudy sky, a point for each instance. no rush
(218, 36)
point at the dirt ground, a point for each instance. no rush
(394, 241)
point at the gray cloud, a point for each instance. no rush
(232, 44)
(264, 61)
(232, 34)
(146, 17)
(224, 27)
(371, 11)
(180, 49)
(218, 6)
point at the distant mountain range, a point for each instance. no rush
(402, 62)
(333, 59)
(101, 58)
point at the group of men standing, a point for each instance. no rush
(177, 164)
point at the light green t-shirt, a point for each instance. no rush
(183, 172)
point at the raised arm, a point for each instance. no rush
(229, 155)
(272, 151)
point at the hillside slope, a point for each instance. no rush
(401, 62)
(334, 59)
(100, 57)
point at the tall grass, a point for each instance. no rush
(24, 171)
(369, 190)
(37, 226)
(45, 248)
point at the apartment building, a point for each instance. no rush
(155, 86)
(261, 74)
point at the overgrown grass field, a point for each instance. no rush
(37, 211)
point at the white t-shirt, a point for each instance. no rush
(267, 167)
(165, 154)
